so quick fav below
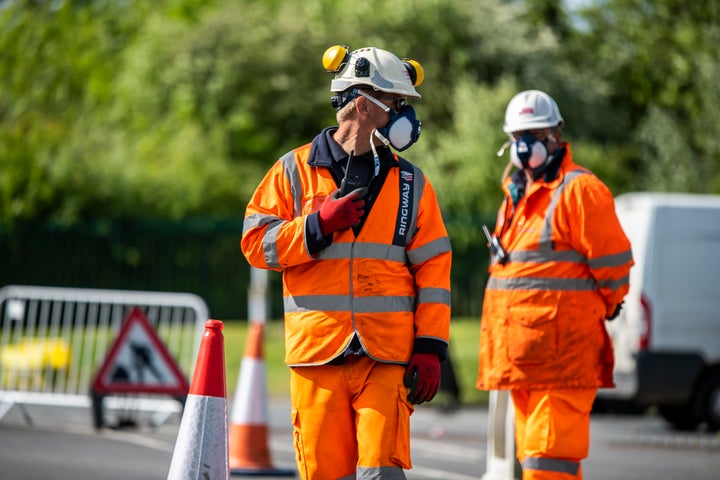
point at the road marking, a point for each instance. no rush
(141, 440)
(435, 473)
(438, 449)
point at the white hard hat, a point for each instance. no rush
(530, 110)
(374, 67)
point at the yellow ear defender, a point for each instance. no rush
(335, 58)
(416, 71)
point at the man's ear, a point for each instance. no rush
(361, 105)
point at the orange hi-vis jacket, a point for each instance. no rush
(544, 309)
(393, 297)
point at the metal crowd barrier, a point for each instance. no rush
(54, 340)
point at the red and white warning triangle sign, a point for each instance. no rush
(138, 362)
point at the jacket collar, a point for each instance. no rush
(325, 151)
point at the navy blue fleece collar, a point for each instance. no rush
(325, 150)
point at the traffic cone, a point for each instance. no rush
(249, 452)
(201, 449)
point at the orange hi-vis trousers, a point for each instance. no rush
(351, 421)
(552, 432)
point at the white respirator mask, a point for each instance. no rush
(402, 130)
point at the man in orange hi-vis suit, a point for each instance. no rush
(559, 269)
(358, 234)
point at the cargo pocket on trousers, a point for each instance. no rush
(401, 451)
(531, 334)
(298, 443)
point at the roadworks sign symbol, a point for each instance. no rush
(138, 362)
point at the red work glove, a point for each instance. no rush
(344, 212)
(422, 377)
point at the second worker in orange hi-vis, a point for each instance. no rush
(559, 269)
(358, 234)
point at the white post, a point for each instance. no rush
(257, 295)
(501, 462)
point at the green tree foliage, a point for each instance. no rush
(53, 69)
(661, 61)
(179, 109)
(176, 108)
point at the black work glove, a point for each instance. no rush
(615, 314)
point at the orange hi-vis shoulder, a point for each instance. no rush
(389, 295)
(568, 268)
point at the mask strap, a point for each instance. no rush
(377, 102)
(504, 147)
(376, 157)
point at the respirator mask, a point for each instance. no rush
(402, 130)
(527, 152)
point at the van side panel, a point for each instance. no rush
(675, 240)
(685, 295)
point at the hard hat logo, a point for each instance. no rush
(372, 67)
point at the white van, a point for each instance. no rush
(667, 337)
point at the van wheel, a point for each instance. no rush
(709, 400)
(681, 417)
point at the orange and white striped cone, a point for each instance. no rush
(249, 452)
(201, 449)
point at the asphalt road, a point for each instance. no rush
(61, 444)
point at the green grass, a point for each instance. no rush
(464, 338)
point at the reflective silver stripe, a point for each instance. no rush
(546, 233)
(538, 283)
(341, 303)
(614, 284)
(293, 176)
(429, 250)
(274, 223)
(434, 295)
(379, 251)
(611, 260)
(257, 220)
(272, 258)
(551, 465)
(269, 246)
(534, 256)
(380, 473)
(545, 251)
